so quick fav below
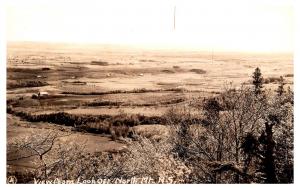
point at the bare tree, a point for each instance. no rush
(34, 145)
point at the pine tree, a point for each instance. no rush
(257, 81)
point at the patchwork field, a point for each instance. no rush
(87, 86)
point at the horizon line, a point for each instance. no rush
(152, 47)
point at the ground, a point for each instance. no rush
(109, 80)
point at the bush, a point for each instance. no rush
(198, 71)
(168, 71)
(23, 84)
(102, 63)
(98, 127)
(212, 105)
(103, 103)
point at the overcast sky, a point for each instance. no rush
(228, 25)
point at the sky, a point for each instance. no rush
(221, 25)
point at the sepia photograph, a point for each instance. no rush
(149, 92)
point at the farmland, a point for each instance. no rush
(104, 96)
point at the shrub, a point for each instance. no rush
(211, 105)
(198, 71)
(167, 71)
(98, 127)
(45, 69)
(102, 63)
(103, 103)
(23, 84)
(125, 120)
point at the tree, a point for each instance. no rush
(257, 81)
(244, 110)
(268, 161)
(280, 89)
(38, 146)
(240, 138)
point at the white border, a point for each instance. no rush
(3, 92)
(201, 186)
(296, 90)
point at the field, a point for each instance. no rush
(97, 90)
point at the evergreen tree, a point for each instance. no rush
(257, 81)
